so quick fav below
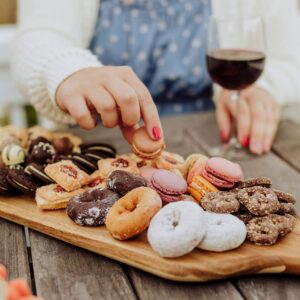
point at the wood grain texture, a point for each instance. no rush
(13, 250)
(287, 143)
(150, 287)
(66, 272)
(196, 266)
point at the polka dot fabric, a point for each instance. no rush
(164, 41)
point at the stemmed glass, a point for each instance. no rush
(235, 60)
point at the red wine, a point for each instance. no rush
(235, 69)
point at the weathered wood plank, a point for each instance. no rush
(149, 287)
(287, 143)
(13, 250)
(63, 271)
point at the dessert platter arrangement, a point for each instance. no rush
(174, 217)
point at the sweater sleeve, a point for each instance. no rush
(281, 76)
(50, 46)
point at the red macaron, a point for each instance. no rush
(222, 172)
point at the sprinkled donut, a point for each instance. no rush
(91, 207)
(223, 232)
(132, 213)
(177, 229)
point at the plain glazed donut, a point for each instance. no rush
(91, 207)
(177, 229)
(132, 213)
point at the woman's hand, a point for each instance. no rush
(114, 93)
(257, 115)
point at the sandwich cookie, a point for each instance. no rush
(53, 196)
(36, 170)
(85, 163)
(143, 146)
(6, 188)
(168, 185)
(222, 173)
(100, 150)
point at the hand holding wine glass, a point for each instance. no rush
(235, 60)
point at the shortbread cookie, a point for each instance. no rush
(223, 232)
(53, 196)
(67, 175)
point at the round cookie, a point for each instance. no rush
(131, 215)
(284, 224)
(285, 197)
(84, 163)
(177, 229)
(257, 181)
(262, 231)
(91, 207)
(123, 182)
(244, 216)
(220, 202)
(223, 232)
(143, 146)
(101, 149)
(258, 200)
(37, 171)
(6, 188)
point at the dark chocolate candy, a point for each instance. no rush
(63, 145)
(123, 182)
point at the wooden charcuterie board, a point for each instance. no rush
(284, 257)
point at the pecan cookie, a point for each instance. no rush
(262, 231)
(257, 181)
(220, 202)
(285, 197)
(260, 201)
(284, 223)
(286, 208)
(244, 216)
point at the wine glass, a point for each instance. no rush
(235, 60)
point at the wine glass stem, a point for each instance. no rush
(235, 98)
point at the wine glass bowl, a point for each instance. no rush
(235, 60)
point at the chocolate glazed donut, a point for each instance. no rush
(91, 207)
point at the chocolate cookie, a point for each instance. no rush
(5, 187)
(91, 207)
(23, 182)
(262, 231)
(106, 150)
(38, 172)
(63, 145)
(257, 181)
(260, 201)
(286, 208)
(220, 202)
(42, 153)
(122, 182)
(285, 197)
(85, 163)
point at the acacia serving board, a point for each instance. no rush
(284, 257)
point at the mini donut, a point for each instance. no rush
(223, 232)
(169, 161)
(220, 202)
(132, 213)
(91, 207)
(260, 201)
(177, 229)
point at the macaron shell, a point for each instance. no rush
(168, 182)
(146, 155)
(219, 182)
(197, 168)
(147, 172)
(143, 144)
(166, 198)
(224, 169)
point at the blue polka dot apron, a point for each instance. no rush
(164, 42)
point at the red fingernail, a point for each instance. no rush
(246, 141)
(156, 133)
(223, 136)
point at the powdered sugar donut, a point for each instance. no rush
(177, 229)
(223, 232)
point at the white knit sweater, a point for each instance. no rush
(54, 34)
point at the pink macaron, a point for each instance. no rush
(147, 172)
(222, 172)
(168, 185)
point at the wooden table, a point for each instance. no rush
(57, 270)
